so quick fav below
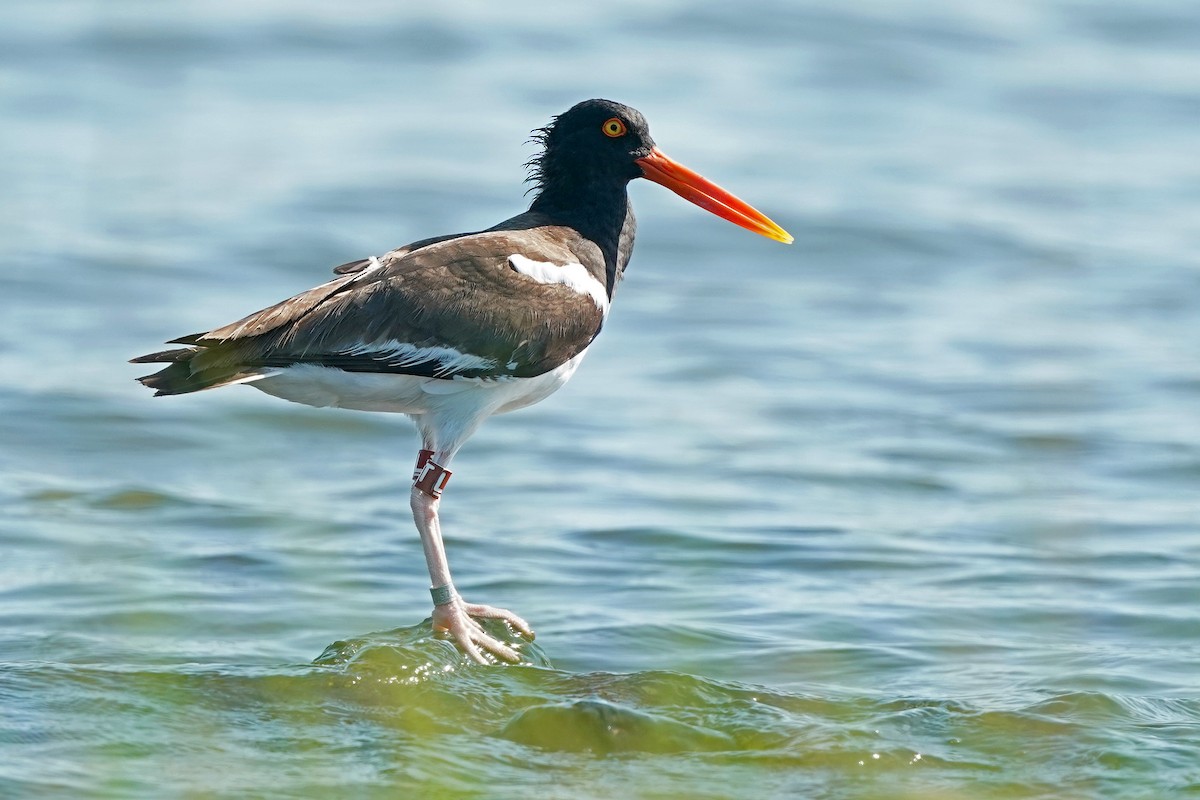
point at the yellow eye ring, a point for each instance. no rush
(613, 128)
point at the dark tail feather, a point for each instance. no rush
(166, 356)
(178, 377)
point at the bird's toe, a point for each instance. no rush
(491, 612)
(456, 619)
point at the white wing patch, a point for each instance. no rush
(374, 263)
(406, 354)
(574, 276)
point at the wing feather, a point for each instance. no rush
(454, 307)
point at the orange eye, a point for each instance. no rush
(613, 128)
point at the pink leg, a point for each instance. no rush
(451, 613)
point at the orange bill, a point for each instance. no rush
(697, 189)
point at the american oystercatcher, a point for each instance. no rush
(453, 329)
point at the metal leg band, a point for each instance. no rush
(431, 478)
(442, 594)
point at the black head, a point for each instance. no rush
(597, 147)
(596, 141)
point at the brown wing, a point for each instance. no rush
(361, 264)
(453, 308)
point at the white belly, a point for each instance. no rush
(325, 387)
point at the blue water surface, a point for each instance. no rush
(908, 509)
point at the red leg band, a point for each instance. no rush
(432, 478)
(422, 459)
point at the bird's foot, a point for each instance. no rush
(455, 617)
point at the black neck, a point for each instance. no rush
(600, 212)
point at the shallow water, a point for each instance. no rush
(908, 509)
